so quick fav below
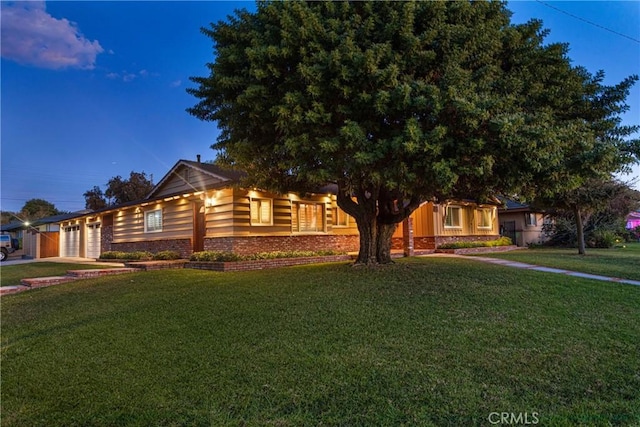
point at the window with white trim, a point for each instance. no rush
(530, 219)
(484, 218)
(453, 217)
(307, 217)
(153, 221)
(261, 212)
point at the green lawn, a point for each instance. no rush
(616, 262)
(427, 341)
(10, 275)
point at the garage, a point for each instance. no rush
(70, 245)
(93, 240)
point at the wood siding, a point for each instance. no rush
(187, 180)
(177, 221)
(429, 221)
(228, 213)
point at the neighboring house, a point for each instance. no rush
(633, 220)
(522, 224)
(198, 206)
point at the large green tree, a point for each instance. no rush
(394, 102)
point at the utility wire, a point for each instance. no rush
(588, 22)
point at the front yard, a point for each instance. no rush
(423, 342)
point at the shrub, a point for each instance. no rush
(217, 256)
(167, 255)
(602, 239)
(137, 255)
(214, 256)
(502, 241)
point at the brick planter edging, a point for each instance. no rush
(157, 264)
(262, 264)
(481, 250)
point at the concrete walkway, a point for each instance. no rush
(523, 265)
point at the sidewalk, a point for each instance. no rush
(523, 265)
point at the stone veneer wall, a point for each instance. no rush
(106, 237)
(254, 244)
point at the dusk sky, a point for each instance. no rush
(107, 96)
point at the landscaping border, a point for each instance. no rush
(479, 250)
(261, 264)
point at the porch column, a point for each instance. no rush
(407, 237)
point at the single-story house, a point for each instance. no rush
(522, 224)
(198, 206)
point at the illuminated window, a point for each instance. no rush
(484, 218)
(153, 221)
(341, 218)
(261, 212)
(307, 217)
(452, 217)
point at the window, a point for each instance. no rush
(307, 217)
(261, 212)
(341, 218)
(484, 218)
(452, 217)
(153, 221)
(530, 219)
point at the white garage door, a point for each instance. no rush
(93, 240)
(71, 241)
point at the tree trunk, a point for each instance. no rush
(377, 213)
(580, 231)
(368, 229)
(383, 250)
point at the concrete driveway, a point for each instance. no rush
(16, 258)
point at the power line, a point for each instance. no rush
(588, 22)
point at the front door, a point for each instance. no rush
(199, 227)
(509, 230)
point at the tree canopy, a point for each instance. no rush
(37, 208)
(394, 102)
(119, 190)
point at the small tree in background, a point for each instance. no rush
(119, 191)
(603, 207)
(581, 183)
(94, 199)
(37, 208)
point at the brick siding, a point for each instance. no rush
(255, 244)
(264, 263)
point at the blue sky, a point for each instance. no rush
(107, 96)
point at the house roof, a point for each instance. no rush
(513, 206)
(17, 225)
(225, 176)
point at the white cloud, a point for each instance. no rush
(176, 83)
(31, 36)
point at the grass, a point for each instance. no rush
(10, 275)
(616, 262)
(423, 342)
